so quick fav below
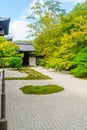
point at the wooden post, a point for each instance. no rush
(3, 121)
(3, 124)
(3, 98)
(3, 106)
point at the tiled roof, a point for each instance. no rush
(25, 46)
(5, 19)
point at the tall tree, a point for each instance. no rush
(40, 10)
(74, 38)
(66, 40)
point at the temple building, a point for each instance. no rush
(4, 26)
(25, 47)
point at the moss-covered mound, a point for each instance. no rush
(47, 89)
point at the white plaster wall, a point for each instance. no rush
(32, 61)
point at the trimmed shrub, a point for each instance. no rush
(80, 71)
(15, 62)
(81, 64)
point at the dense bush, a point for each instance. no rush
(80, 71)
(15, 62)
(42, 62)
(81, 64)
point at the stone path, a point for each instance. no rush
(66, 110)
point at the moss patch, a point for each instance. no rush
(32, 74)
(46, 89)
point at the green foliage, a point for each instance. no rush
(80, 6)
(41, 14)
(81, 58)
(42, 62)
(46, 42)
(80, 63)
(47, 89)
(80, 71)
(61, 39)
(61, 43)
(15, 62)
(8, 50)
(2, 39)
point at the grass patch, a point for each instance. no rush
(17, 78)
(32, 74)
(46, 89)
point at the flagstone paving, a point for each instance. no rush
(66, 110)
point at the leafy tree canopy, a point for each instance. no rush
(41, 14)
(80, 6)
(74, 38)
(60, 43)
(8, 49)
(61, 38)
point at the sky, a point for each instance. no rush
(15, 9)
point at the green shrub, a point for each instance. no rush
(80, 71)
(80, 63)
(42, 62)
(15, 62)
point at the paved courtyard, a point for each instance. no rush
(66, 110)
